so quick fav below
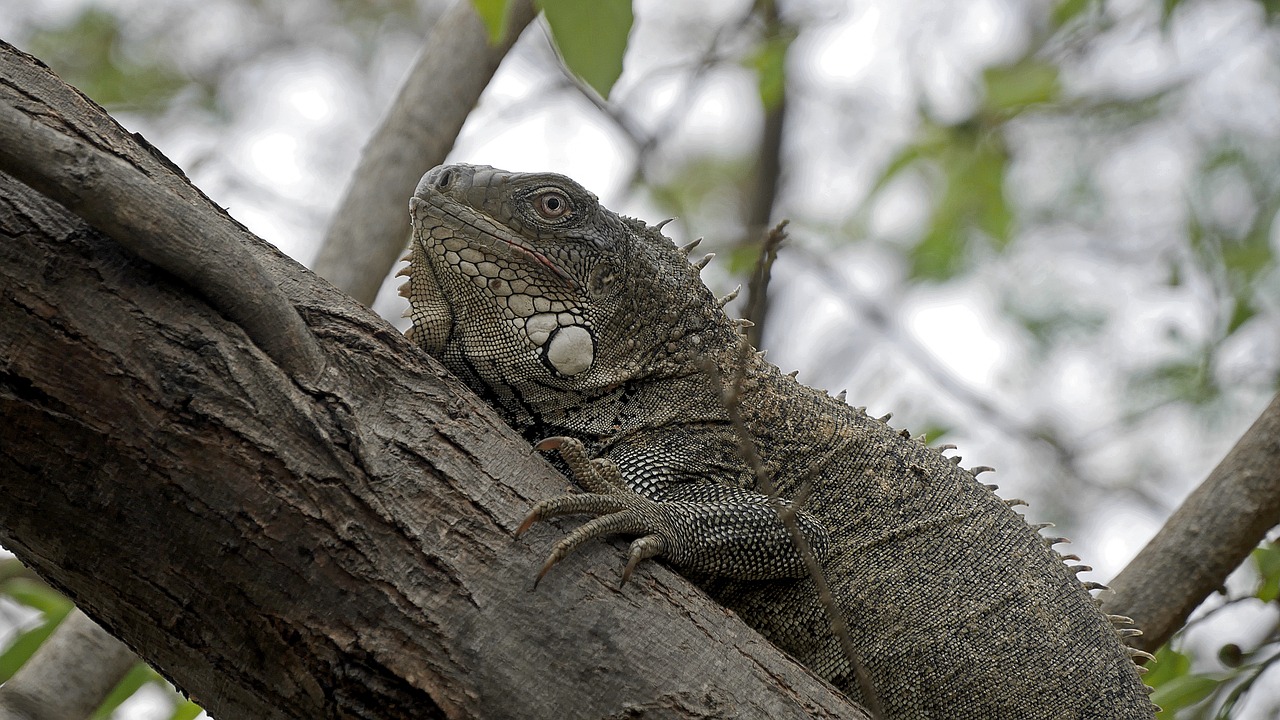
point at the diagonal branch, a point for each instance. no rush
(1205, 539)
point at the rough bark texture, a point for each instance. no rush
(370, 227)
(1209, 536)
(69, 675)
(342, 548)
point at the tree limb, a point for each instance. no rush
(335, 548)
(370, 227)
(151, 222)
(1205, 539)
(69, 675)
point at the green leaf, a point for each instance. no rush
(1014, 87)
(186, 710)
(26, 645)
(493, 13)
(1182, 692)
(769, 62)
(37, 595)
(1267, 559)
(1068, 10)
(592, 37)
(137, 676)
(1169, 665)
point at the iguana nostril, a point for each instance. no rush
(445, 180)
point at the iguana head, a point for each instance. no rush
(527, 284)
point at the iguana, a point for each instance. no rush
(577, 323)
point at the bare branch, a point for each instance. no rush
(69, 675)
(1206, 538)
(370, 227)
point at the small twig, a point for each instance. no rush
(758, 286)
(730, 398)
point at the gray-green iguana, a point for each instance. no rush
(576, 322)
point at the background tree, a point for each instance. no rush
(1043, 230)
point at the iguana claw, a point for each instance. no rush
(618, 509)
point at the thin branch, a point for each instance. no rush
(730, 397)
(1213, 531)
(69, 675)
(370, 227)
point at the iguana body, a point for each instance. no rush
(576, 322)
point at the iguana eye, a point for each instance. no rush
(551, 204)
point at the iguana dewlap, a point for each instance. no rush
(578, 323)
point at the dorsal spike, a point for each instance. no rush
(991, 486)
(841, 395)
(793, 374)
(979, 469)
(686, 249)
(923, 438)
(904, 433)
(408, 257)
(703, 262)
(1068, 556)
(861, 409)
(946, 447)
(1120, 619)
(885, 418)
(405, 290)
(1015, 502)
(956, 460)
(408, 312)
(1135, 652)
(1128, 632)
(1051, 541)
(1040, 526)
(729, 297)
(405, 271)
(744, 323)
(1077, 569)
(662, 224)
(1091, 585)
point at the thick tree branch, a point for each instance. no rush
(370, 227)
(153, 223)
(1205, 539)
(337, 548)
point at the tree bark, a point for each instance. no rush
(291, 547)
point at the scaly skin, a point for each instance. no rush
(580, 324)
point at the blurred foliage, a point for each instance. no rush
(92, 49)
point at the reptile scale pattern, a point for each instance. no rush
(576, 322)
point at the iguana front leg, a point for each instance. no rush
(702, 526)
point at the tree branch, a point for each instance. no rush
(151, 222)
(69, 675)
(370, 227)
(338, 548)
(1205, 539)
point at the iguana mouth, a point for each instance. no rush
(503, 234)
(538, 257)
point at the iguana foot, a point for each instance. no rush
(617, 507)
